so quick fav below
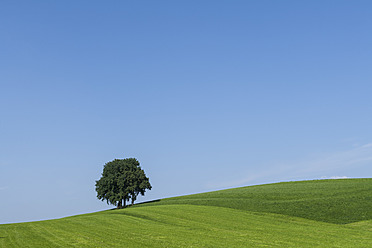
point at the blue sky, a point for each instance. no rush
(205, 94)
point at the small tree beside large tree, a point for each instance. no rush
(122, 180)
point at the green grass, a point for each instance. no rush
(335, 201)
(257, 216)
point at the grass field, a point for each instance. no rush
(325, 213)
(335, 201)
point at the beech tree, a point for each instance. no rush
(122, 180)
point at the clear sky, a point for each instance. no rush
(206, 95)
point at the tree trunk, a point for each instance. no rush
(119, 204)
(124, 202)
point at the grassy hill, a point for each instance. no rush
(325, 213)
(335, 201)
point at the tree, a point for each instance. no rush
(122, 179)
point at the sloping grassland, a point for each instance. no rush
(325, 213)
(334, 201)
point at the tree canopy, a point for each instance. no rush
(122, 180)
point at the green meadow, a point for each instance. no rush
(320, 213)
